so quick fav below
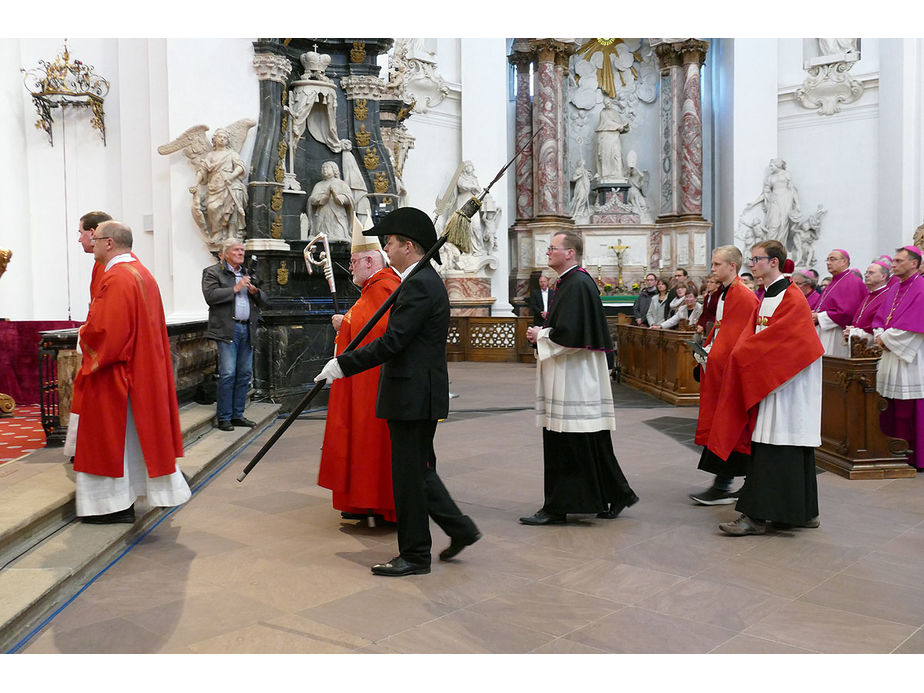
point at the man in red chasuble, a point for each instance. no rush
(129, 436)
(356, 455)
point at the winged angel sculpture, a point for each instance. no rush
(219, 194)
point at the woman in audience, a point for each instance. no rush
(660, 303)
(687, 315)
(711, 295)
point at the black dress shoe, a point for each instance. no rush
(243, 422)
(543, 518)
(456, 545)
(124, 517)
(616, 508)
(398, 567)
(225, 426)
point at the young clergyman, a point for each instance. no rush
(772, 390)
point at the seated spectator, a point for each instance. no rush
(687, 315)
(676, 297)
(660, 304)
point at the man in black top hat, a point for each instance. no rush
(413, 394)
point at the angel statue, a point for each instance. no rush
(219, 194)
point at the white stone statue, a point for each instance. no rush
(462, 187)
(580, 197)
(610, 127)
(354, 178)
(313, 103)
(779, 202)
(330, 205)
(805, 233)
(638, 182)
(219, 194)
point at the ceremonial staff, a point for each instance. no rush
(457, 232)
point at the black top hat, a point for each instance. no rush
(409, 222)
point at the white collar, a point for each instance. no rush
(124, 257)
(406, 271)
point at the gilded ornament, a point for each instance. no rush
(61, 83)
(371, 160)
(280, 173)
(282, 274)
(282, 149)
(5, 256)
(276, 204)
(358, 52)
(276, 228)
(360, 109)
(381, 182)
(363, 137)
(610, 47)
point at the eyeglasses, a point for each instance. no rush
(94, 239)
(357, 260)
(556, 247)
(757, 258)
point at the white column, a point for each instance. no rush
(745, 123)
(484, 141)
(901, 146)
(16, 286)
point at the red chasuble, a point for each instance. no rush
(126, 354)
(356, 455)
(96, 278)
(737, 318)
(760, 363)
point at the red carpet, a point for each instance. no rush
(21, 433)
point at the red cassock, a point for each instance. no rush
(760, 363)
(126, 354)
(356, 455)
(737, 318)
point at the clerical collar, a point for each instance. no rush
(562, 274)
(725, 288)
(777, 287)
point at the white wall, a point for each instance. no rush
(158, 89)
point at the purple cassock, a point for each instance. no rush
(902, 308)
(868, 309)
(813, 298)
(842, 297)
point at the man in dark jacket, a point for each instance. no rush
(539, 301)
(234, 311)
(413, 394)
(640, 307)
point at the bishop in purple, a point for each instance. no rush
(838, 304)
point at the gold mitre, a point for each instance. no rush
(360, 242)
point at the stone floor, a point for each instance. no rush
(266, 566)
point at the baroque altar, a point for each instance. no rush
(617, 158)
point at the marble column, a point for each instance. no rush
(523, 129)
(264, 206)
(690, 135)
(670, 104)
(548, 147)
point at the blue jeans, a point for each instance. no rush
(235, 367)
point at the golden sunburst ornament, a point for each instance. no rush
(614, 50)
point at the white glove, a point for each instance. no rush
(330, 372)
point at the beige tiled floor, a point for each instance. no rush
(267, 566)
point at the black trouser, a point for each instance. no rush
(419, 493)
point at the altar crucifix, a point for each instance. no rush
(619, 249)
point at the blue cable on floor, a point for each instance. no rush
(193, 491)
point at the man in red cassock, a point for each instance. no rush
(734, 317)
(129, 436)
(356, 454)
(771, 397)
